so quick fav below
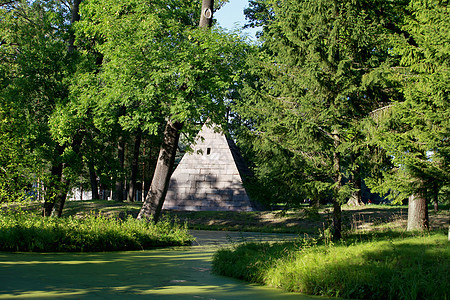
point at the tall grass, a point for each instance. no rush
(409, 268)
(26, 232)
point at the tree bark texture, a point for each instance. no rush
(160, 183)
(417, 213)
(134, 168)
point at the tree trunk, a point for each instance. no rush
(315, 202)
(206, 14)
(356, 198)
(155, 198)
(417, 213)
(134, 168)
(52, 189)
(65, 183)
(435, 197)
(61, 197)
(75, 18)
(58, 187)
(94, 184)
(118, 196)
(337, 214)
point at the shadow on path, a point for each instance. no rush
(176, 273)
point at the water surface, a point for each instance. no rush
(175, 273)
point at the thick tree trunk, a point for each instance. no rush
(56, 194)
(337, 220)
(118, 195)
(155, 198)
(93, 180)
(417, 213)
(134, 168)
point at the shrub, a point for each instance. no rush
(25, 232)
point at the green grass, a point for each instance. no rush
(412, 267)
(29, 232)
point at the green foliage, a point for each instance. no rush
(16, 161)
(390, 269)
(414, 130)
(318, 75)
(35, 71)
(25, 232)
(156, 64)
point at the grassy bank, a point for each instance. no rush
(415, 267)
(305, 219)
(29, 232)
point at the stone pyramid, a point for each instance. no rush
(210, 178)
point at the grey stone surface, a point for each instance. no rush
(209, 178)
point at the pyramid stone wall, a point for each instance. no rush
(209, 179)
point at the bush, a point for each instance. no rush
(25, 232)
(410, 268)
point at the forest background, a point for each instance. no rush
(334, 96)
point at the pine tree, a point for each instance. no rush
(415, 129)
(320, 75)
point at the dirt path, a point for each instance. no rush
(177, 273)
(223, 238)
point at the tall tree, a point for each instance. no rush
(159, 65)
(37, 52)
(414, 129)
(318, 78)
(160, 183)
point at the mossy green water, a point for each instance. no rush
(175, 273)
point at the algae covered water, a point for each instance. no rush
(175, 273)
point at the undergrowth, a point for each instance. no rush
(27, 232)
(398, 268)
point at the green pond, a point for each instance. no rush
(175, 273)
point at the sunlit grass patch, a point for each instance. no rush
(400, 268)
